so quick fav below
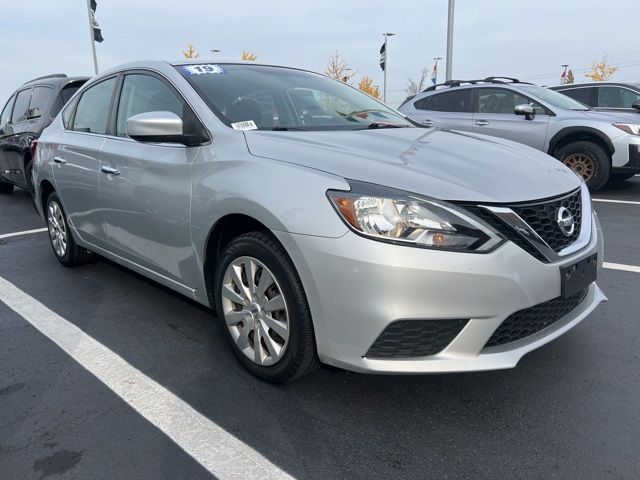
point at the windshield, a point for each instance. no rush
(553, 98)
(249, 97)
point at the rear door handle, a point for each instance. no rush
(481, 123)
(59, 161)
(109, 171)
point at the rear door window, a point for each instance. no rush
(39, 101)
(92, 111)
(454, 101)
(21, 106)
(6, 112)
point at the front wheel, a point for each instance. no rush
(64, 246)
(589, 161)
(261, 303)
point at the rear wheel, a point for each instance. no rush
(5, 187)
(588, 160)
(64, 246)
(261, 303)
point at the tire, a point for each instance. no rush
(65, 248)
(5, 187)
(620, 177)
(588, 160)
(243, 310)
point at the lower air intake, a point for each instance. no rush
(415, 338)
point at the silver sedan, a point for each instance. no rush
(320, 225)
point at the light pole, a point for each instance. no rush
(564, 78)
(435, 68)
(386, 65)
(450, 40)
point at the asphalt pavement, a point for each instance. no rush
(71, 410)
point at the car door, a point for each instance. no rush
(14, 141)
(5, 129)
(145, 188)
(451, 109)
(496, 117)
(77, 159)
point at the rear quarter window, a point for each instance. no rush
(454, 101)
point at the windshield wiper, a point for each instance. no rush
(285, 129)
(386, 125)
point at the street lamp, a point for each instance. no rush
(449, 66)
(386, 65)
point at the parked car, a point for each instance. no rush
(608, 96)
(596, 145)
(28, 111)
(350, 236)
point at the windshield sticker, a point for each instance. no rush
(246, 125)
(204, 69)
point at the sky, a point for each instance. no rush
(529, 40)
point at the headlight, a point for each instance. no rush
(631, 128)
(404, 218)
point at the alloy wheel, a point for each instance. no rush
(255, 310)
(57, 229)
(581, 164)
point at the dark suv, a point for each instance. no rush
(613, 96)
(31, 109)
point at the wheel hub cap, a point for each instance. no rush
(581, 164)
(57, 229)
(255, 310)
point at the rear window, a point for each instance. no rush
(68, 91)
(455, 101)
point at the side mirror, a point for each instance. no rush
(636, 105)
(525, 109)
(156, 127)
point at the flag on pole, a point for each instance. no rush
(383, 57)
(434, 74)
(563, 77)
(97, 32)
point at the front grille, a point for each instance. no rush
(415, 338)
(531, 320)
(542, 217)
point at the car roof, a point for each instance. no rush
(59, 79)
(595, 84)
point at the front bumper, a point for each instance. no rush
(356, 287)
(626, 157)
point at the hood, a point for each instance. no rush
(443, 164)
(612, 117)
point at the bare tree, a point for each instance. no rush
(339, 69)
(416, 86)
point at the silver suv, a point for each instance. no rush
(320, 225)
(598, 146)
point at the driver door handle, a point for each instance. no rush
(59, 161)
(481, 123)
(109, 170)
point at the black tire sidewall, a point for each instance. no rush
(299, 317)
(601, 161)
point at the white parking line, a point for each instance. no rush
(218, 451)
(621, 266)
(606, 200)
(26, 232)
